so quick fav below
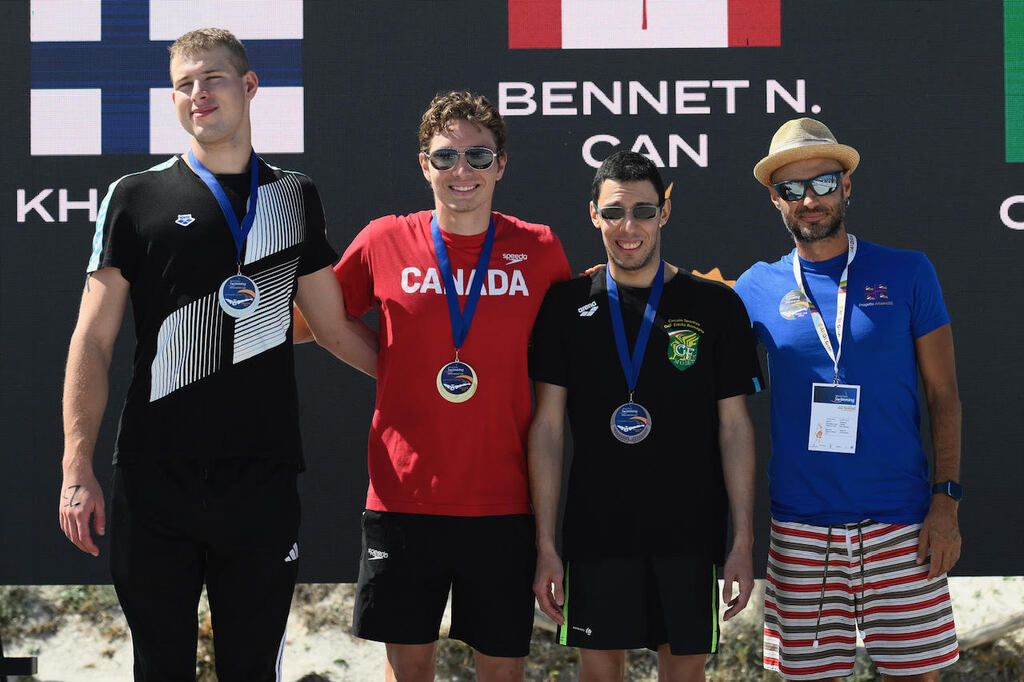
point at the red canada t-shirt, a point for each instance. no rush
(427, 455)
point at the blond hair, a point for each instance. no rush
(205, 39)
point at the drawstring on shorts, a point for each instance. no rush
(858, 616)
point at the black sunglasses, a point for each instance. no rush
(639, 212)
(479, 158)
(793, 190)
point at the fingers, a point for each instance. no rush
(80, 522)
(922, 546)
(547, 587)
(100, 518)
(77, 508)
(550, 603)
(943, 558)
(559, 595)
(746, 587)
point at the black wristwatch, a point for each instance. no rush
(951, 488)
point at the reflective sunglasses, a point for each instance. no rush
(639, 212)
(793, 190)
(479, 158)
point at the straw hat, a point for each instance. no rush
(799, 139)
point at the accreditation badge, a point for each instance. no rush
(239, 296)
(456, 382)
(631, 423)
(834, 412)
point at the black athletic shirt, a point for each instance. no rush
(205, 384)
(664, 495)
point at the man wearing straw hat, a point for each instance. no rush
(861, 537)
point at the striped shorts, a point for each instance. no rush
(826, 582)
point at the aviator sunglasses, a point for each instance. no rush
(479, 158)
(639, 212)
(793, 190)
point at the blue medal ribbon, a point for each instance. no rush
(461, 320)
(631, 365)
(239, 232)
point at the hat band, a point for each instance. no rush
(805, 142)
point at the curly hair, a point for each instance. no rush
(454, 106)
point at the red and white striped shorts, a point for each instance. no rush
(825, 582)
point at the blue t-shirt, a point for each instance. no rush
(893, 298)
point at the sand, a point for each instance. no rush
(79, 652)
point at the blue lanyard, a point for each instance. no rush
(239, 232)
(461, 320)
(631, 365)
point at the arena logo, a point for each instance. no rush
(593, 24)
(100, 82)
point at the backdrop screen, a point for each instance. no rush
(931, 92)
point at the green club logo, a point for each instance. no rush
(682, 348)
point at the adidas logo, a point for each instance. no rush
(376, 554)
(588, 310)
(511, 258)
(293, 555)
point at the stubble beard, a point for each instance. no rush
(818, 232)
(640, 264)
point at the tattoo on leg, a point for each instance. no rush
(70, 494)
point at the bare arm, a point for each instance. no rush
(736, 442)
(323, 314)
(301, 333)
(85, 399)
(940, 532)
(544, 455)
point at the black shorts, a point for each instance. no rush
(638, 602)
(410, 562)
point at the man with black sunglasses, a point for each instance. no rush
(654, 366)
(861, 537)
(448, 509)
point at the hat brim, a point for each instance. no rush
(846, 155)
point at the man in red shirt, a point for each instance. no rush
(448, 508)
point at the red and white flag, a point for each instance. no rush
(592, 24)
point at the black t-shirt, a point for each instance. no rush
(664, 495)
(206, 384)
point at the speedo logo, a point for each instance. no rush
(376, 554)
(497, 283)
(588, 309)
(511, 258)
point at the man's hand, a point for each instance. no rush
(547, 585)
(739, 567)
(81, 500)
(940, 534)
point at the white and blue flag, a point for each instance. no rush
(100, 82)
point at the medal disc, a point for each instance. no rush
(456, 382)
(631, 423)
(239, 296)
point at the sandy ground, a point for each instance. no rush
(80, 653)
